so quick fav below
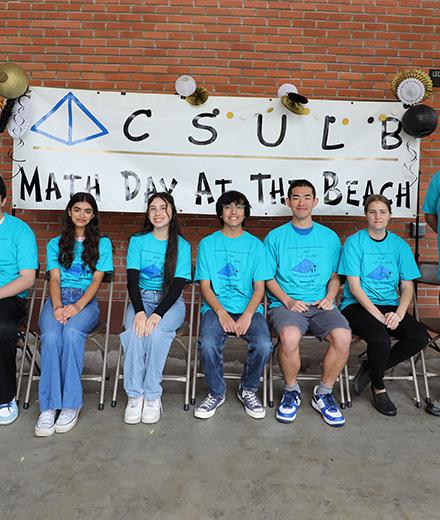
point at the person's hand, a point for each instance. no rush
(227, 323)
(243, 323)
(140, 324)
(152, 323)
(296, 305)
(392, 320)
(59, 315)
(69, 311)
(324, 304)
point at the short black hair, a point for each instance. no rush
(2, 188)
(232, 197)
(300, 183)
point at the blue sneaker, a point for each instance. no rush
(208, 406)
(8, 412)
(288, 407)
(326, 405)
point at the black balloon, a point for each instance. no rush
(420, 120)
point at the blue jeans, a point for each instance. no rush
(211, 345)
(62, 352)
(144, 357)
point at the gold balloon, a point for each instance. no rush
(13, 81)
(199, 97)
(296, 108)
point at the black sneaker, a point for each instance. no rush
(434, 408)
(383, 403)
(361, 379)
(252, 404)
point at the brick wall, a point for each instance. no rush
(330, 49)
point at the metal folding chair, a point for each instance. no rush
(185, 331)
(197, 374)
(24, 334)
(429, 272)
(102, 327)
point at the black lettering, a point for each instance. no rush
(127, 175)
(274, 191)
(96, 188)
(350, 192)
(332, 194)
(203, 189)
(369, 190)
(324, 144)
(52, 186)
(130, 119)
(403, 193)
(30, 187)
(282, 132)
(260, 177)
(394, 134)
(210, 129)
(222, 183)
(72, 178)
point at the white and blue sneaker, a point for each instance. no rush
(326, 405)
(286, 412)
(208, 406)
(8, 412)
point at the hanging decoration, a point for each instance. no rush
(185, 86)
(199, 96)
(13, 81)
(420, 121)
(411, 86)
(20, 119)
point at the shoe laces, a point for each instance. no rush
(68, 413)
(5, 405)
(47, 416)
(208, 402)
(133, 402)
(329, 401)
(290, 398)
(251, 398)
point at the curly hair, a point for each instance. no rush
(90, 254)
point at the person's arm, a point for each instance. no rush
(432, 221)
(55, 295)
(75, 308)
(333, 287)
(286, 300)
(24, 282)
(392, 319)
(244, 321)
(227, 323)
(360, 295)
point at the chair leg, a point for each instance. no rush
(271, 403)
(416, 385)
(341, 390)
(194, 381)
(265, 386)
(425, 377)
(31, 373)
(118, 369)
(347, 386)
(188, 374)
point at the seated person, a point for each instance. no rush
(304, 257)
(376, 262)
(232, 267)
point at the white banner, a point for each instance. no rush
(123, 146)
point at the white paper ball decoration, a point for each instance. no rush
(185, 86)
(286, 88)
(411, 91)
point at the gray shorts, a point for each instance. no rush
(317, 322)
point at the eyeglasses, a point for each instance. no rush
(236, 206)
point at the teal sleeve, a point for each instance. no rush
(27, 250)
(271, 255)
(350, 263)
(52, 251)
(183, 267)
(134, 254)
(105, 261)
(202, 267)
(432, 196)
(336, 254)
(262, 269)
(408, 269)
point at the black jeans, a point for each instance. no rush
(411, 334)
(12, 311)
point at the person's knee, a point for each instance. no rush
(289, 340)
(74, 336)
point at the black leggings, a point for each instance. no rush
(12, 311)
(411, 334)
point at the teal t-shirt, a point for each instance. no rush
(147, 254)
(78, 275)
(18, 250)
(232, 265)
(302, 264)
(379, 265)
(431, 206)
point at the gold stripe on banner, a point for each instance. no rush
(216, 156)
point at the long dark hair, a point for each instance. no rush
(90, 252)
(173, 235)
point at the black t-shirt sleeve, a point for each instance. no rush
(171, 297)
(134, 290)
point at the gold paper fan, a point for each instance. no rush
(416, 74)
(199, 97)
(296, 108)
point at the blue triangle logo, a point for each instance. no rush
(69, 102)
(305, 266)
(228, 270)
(380, 273)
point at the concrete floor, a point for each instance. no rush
(228, 467)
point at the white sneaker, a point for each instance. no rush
(45, 426)
(133, 410)
(67, 420)
(152, 411)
